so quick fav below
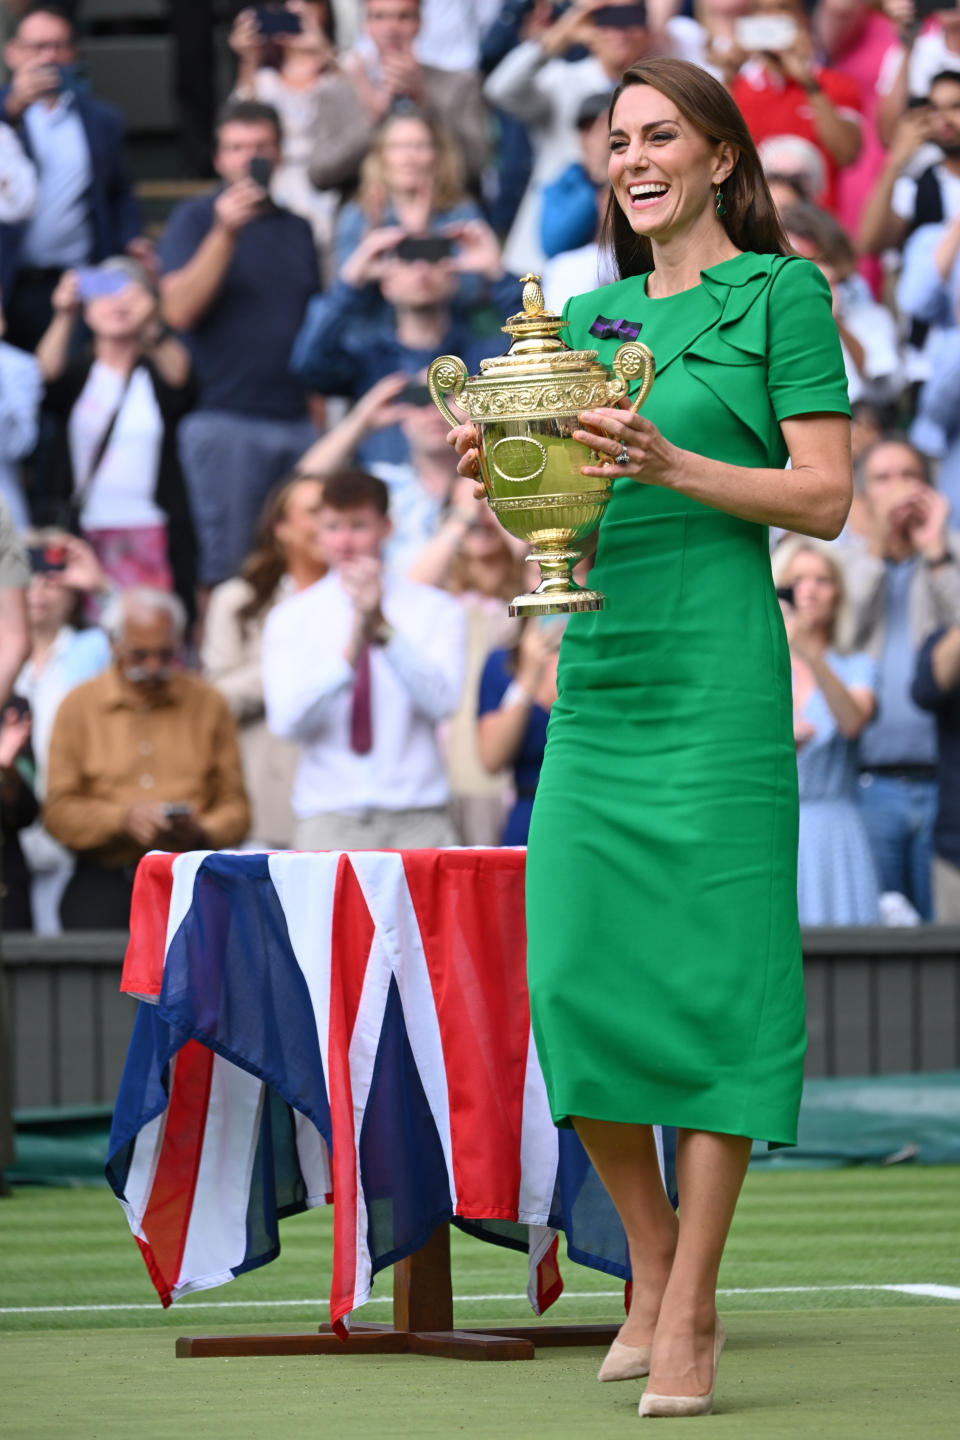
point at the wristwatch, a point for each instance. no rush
(938, 560)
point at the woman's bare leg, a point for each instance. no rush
(625, 1158)
(710, 1171)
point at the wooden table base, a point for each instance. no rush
(422, 1324)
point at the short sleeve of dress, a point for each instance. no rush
(805, 370)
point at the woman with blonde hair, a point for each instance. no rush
(286, 557)
(412, 178)
(834, 698)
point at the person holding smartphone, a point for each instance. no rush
(142, 757)
(416, 280)
(287, 58)
(537, 84)
(783, 91)
(664, 960)
(113, 472)
(383, 75)
(239, 271)
(834, 699)
(85, 208)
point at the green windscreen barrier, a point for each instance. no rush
(876, 1120)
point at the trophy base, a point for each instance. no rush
(557, 602)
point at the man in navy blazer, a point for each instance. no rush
(85, 209)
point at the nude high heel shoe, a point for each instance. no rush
(685, 1405)
(625, 1362)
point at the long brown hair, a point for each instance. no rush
(448, 186)
(751, 218)
(266, 565)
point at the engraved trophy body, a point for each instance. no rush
(524, 405)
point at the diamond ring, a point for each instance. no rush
(623, 458)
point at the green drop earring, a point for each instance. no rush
(721, 208)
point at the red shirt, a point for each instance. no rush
(772, 105)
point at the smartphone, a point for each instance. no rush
(786, 596)
(177, 811)
(425, 247)
(765, 32)
(260, 171)
(277, 22)
(92, 283)
(47, 558)
(414, 394)
(619, 17)
(923, 9)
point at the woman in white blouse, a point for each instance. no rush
(114, 472)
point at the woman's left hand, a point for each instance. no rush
(643, 452)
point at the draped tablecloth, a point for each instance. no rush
(349, 1028)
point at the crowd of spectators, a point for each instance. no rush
(262, 608)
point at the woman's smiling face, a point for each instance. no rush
(662, 169)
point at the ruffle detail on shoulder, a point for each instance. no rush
(726, 355)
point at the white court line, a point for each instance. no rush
(936, 1292)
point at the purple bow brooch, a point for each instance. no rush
(605, 329)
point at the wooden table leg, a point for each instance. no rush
(422, 1324)
(423, 1288)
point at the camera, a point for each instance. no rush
(424, 247)
(46, 559)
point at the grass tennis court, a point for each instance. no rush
(806, 1356)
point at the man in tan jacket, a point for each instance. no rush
(144, 757)
(375, 81)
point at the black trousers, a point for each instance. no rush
(97, 898)
(28, 309)
(193, 23)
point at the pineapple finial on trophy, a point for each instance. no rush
(533, 301)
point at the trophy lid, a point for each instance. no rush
(536, 346)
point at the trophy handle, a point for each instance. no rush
(631, 360)
(446, 374)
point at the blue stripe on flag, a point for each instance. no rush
(232, 981)
(408, 1193)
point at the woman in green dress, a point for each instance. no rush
(663, 944)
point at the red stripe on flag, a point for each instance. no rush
(350, 942)
(549, 1279)
(149, 911)
(167, 1216)
(472, 924)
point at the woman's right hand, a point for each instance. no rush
(533, 653)
(245, 39)
(65, 299)
(366, 265)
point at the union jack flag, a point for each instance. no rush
(346, 1028)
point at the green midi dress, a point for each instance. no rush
(664, 958)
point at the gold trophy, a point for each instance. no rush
(524, 405)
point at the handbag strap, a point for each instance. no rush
(82, 492)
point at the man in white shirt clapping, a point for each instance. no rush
(360, 668)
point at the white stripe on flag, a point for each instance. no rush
(184, 871)
(539, 1145)
(217, 1227)
(314, 1160)
(384, 884)
(143, 1165)
(305, 886)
